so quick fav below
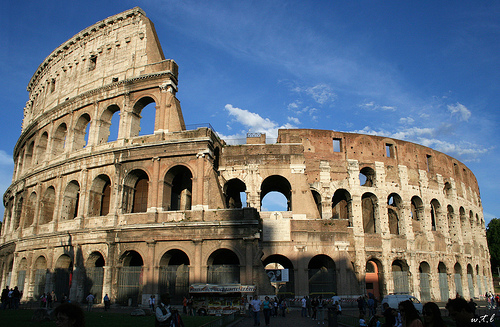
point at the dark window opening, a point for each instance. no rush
(92, 62)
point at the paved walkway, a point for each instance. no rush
(292, 319)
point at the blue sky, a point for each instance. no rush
(421, 71)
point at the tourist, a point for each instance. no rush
(431, 315)
(163, 313)
(90, 301)
(321, 312)
(409, 314)
(69, 315)
(151, 302)
(303, 312)
(255, 305)
(461, 312)
(267, 308)
(107, 302)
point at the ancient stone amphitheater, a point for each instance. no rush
(103, 210)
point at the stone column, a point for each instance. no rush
(195, 269)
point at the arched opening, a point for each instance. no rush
(417, 213)
(223, 267)
(109, 124)
(425, 286)
(479, 281)
(369, 203)
(18, 212)
(400, 276)
(234, 191)
(130, 278)
(322, 276)
(47, 205)
(281, 268)
(367, 177)
(40, 274)
(463, 223)
(470, 280)
(21, 274)
(458, 279)
(443, 282)
(71, 201)
(94, 275)
(341, 205)
(100, 196)
(81, 132)
(452, 224)
(59, 139)
(435, 213)
(216, 160)
(62, 276)
(174, 274)
(136, 188)
(41, 148)
(394, 203)
(372, 278)
(317, 201)
(143, 117)
(29, 154)
(276, 194)
(29, 212)
(177, 189)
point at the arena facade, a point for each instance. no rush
(133, 215)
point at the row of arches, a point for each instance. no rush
(135, 193)
(447, 281)
(70, 133)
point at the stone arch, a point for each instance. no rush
(18, 213)
(464, 225)
(100, 196)
(425, 286)
(394, 213)
(41, 147)
(59, 139)
(137, 123)
(373, 280)
(40, 275)
(277, 183)
(178, 188)
(317, 201)
(136, 191)
(447, 190)
(174, 274)
(63, 271)
(130, 278)
(94, 275)
(369, 204)
(104, 133)
(47, 205)
(30, 149)
(367, 177)
(21, 273)
(342, 205)
(234, 193)
(322, 276)
(278, 261)
(400, 271)
(458, 279)
(81, 132)
(435, 214)
(470, 280)
(29, 212)
(417, 213)
(443, 281)
(452, 223)
(71, 201)
(223, 267)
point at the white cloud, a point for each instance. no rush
(406, 120)
(460, 110)
(6, 159)
(294, 120)
(253, 122)
(372, 106)
(321, 93)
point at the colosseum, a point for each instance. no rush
(134, 215)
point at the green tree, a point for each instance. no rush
(493, 238)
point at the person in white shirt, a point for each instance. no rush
(163, 312)
(90, 301)
(255, 304)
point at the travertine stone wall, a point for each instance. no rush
(361, 213)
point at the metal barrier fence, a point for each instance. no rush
(223, 321)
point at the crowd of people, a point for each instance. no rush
(461, 312)
(11, 298)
